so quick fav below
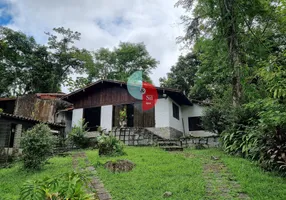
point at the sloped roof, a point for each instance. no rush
(50, 95)
(6, 115)
(8, 99)
(175, 94)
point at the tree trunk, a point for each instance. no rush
(228, 12)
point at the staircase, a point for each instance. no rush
(145, 137)
(170, 145)
(136, 136)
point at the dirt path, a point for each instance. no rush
(220, 183)
(80, 162)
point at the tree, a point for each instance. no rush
(66, 57)
(241, 47)
(37, 145)
(183, 73)
(28, 67)
(121, 62)
(237, 26)
(15, 62)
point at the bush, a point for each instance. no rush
(37, 145)
(257, 131)
(216, 118)
(272, 141)
(68, 186)
(110, 146)
(78, 133)
(240, 136)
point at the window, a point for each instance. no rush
(195, 123)
(176, 112)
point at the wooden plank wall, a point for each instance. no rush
(141, 118)
(110, 95)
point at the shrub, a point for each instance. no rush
(257, 131)
(241, 142)
(37, 145)
(272, 142)
(78, 134)
(68, 186)
(240, 135)
(216, 119)
(109, 145)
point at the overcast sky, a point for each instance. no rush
(103, 23)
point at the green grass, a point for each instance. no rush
(253, 180)
(11, 179)
(156, 172)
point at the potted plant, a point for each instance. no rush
(123, 117)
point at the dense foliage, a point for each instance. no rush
(255, 130)
(110, 146)
(67, 186)
(182, 76)
(117, 64)
(240, 47)
(29, 67)
(37, 145)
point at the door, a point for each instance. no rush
(12, 135)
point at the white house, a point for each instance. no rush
(173, 116)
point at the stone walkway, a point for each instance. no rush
(220, 183)
(95, 183)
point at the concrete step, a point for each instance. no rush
(166, 143)
(172, 148)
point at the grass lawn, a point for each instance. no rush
(11, 179)
(253, 180)
(156, 172)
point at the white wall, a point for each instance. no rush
(106, 117)
(193, 111)
(174, 122)
(162, 114)
(77, 115)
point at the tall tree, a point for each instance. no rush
(233, 25)
(28, 67)
(16, 61)
(182, 75)
(121, 62)
(66, 57)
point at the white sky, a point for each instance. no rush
(104, 23)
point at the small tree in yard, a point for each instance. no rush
(37, 145)
(78, 133)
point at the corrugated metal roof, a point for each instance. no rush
(8, 99)
(50, 95)
(29, 119)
